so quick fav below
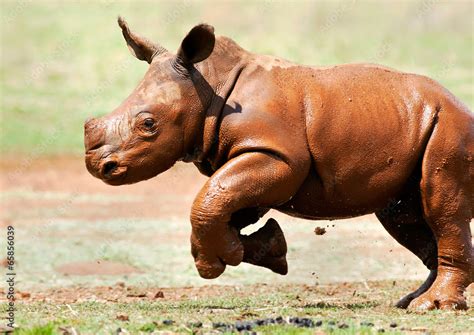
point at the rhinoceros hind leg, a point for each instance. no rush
(266, 247)
(447, 189)
(403, 219)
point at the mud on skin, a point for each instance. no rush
(311, 142)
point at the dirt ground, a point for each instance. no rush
(163, 196)
(338, 293)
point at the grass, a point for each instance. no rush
(349, 317)
(64, 61)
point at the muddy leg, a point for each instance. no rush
(253, 179)
(447, 190)
(455, 264)
(455, 261)
(265, 247)
(403, 219)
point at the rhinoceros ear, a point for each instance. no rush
(197, 45)
(139, 46)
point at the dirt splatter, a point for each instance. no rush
(320, 230)
(4, 263)
(123, 317)
(159, 295)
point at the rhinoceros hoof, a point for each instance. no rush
(267, 248)
(276, 264)
(432, 299)
(406, 300)
(210, 270)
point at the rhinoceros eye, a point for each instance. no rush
(149, 123)
(147, 127)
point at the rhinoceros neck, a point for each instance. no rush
(221, 72)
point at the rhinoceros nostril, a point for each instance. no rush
(108, 168)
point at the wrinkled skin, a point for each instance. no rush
(317, 143)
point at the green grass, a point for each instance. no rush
(48, 329)
(64, 61)
(286, 301)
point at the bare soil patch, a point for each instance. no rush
(62, 187)
(99, 267)
(346, 294)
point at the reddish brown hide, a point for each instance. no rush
(311, 142)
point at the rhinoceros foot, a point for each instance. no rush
(445, 293)
(266, 247)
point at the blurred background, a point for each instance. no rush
(62, 62)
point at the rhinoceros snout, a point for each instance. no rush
(101, 158)
(94, 134)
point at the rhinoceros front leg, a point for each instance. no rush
(254, 179)
(247, 216)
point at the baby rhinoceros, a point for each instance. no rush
(312, 142)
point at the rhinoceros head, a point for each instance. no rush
(155, 126)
